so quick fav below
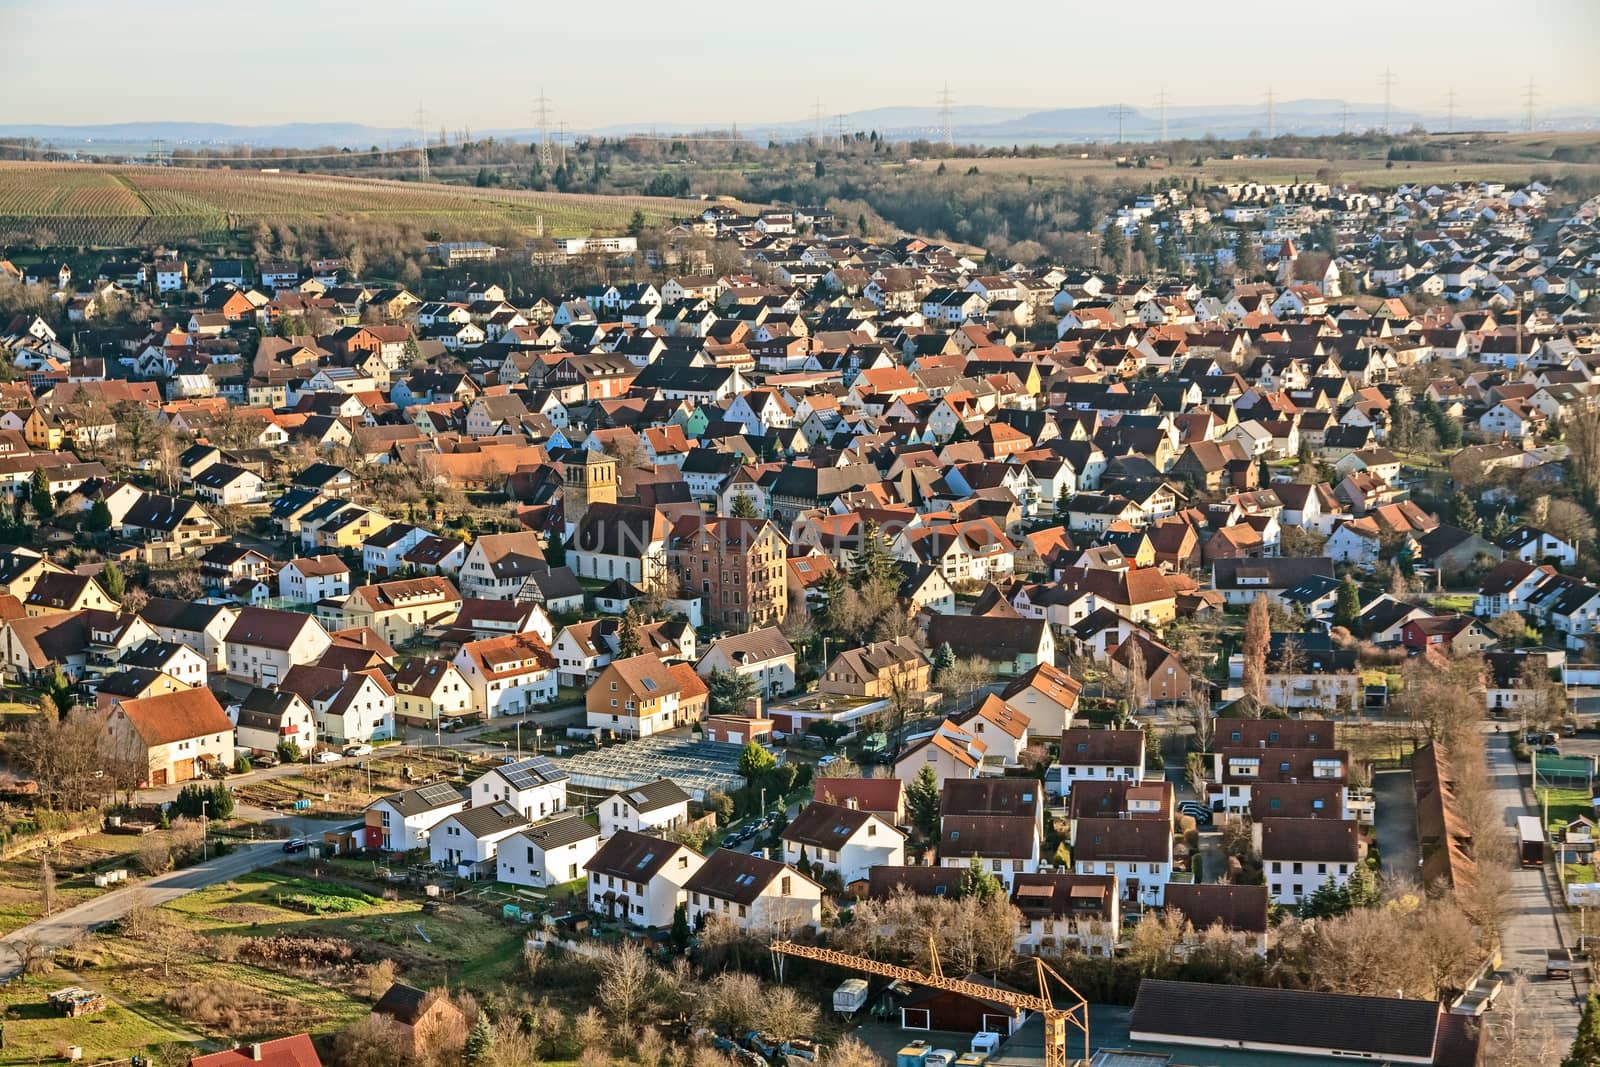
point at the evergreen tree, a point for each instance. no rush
(44, 505)
(944, 657)
(680, 933)
(730, 691)
(1245, 260)
(99, 517)
(1347, 609)
(1586, 1046)
(479, 1048)
(978, 881)
(873, 564)
(922, 803)
(555, 553)
(112, 582)
(744, 507)
(1113, 247)
(629, 642)
(1325, 902)
(1462, 513)
(819, 170)
(755, 762)
(1361, 891)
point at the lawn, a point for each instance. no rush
(34, 1032)
(1460, 603)
(1565, 805)
(75, 864)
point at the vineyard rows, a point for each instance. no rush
(105, 205)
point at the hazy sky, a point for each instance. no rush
(481, 63)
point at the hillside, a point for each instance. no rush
(108, 205)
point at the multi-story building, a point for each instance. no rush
(735, 566)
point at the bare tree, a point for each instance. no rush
(628, 978)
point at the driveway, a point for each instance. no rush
(63, 928)
(1396, 818)
(1533, 921)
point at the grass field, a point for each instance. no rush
(1498, 157)
(81, 203)
(255, 966)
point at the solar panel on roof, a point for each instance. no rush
(437, 793)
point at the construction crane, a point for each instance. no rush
(1056, 1020)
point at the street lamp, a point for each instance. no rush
(519, 739)
(205, 832)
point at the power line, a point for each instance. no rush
(1387, 81)
(542, 113)
(1530, 94)
(1120, 112)
(1162, 99)
(944, 114)
(422, 143)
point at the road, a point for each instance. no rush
(1533, 916)
(63, 928)
(1396, 817)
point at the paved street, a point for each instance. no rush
(1396, 827)
(1532, 913)
(61, 929)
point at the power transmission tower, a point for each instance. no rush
(422, 144)
(816, 121)
(1529, 94)
(1163, 98)
(1387, 81)
(561, 141)
(1272, 114)
(1344, 118)
(944, 114)
(1120, 112)
(1450, 106)
(542, 111)
(839, 129)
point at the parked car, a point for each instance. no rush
(1549, 750)
(358, 750)
(265, 759)
(940, 1057)
(328, 756)
(295, 844)
(451, 725)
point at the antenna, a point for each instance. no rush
(944, 114)
(422, 143)
(1272, 115)
(1387, 81)
(1163, 98)
(1120, 112)
(1450, 105)
(1530, 93)
(542, 110)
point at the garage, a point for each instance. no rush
(182, 770)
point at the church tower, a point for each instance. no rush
(591, 478)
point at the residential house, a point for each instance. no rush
(755, 894)
(533, 786)
(263, 644)
(640, 879)
(548, 853)
(467, 842)
(401, 822)
(177, 736)
(508, 675)
(764, 655)
(841, 840)
(656, 806)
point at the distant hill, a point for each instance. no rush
(970, 124)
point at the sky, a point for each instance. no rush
(482, 64)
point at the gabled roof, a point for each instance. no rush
(179, 716)
(635, 857)
(653, 796)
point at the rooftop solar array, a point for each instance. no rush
(530, 772)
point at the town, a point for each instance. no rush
(783, 642)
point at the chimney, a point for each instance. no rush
(255, 1051)
(344, 673)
